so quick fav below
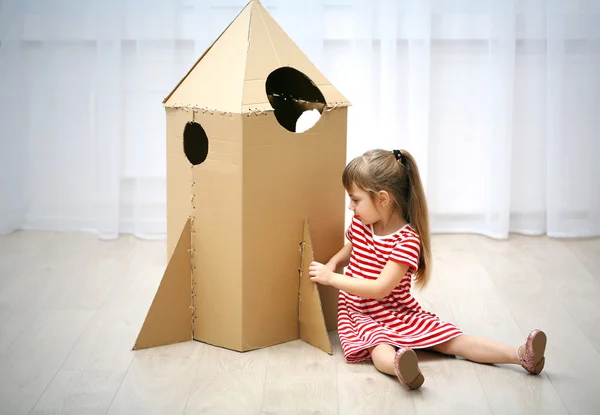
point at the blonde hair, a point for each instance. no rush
(378, 170)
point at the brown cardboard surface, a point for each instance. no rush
(215, 82)
(179, 177)
(217, 237)
(289, 54)
(312, 321)
(262, 59)
(326, 234)
(248, 201)
(230, 76)
(288, 178)
(167, 101)
(169, 319)
(270, 49)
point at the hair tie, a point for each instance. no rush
(398, 154)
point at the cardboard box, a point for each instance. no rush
(250, 202)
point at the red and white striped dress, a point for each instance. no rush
(396, 319)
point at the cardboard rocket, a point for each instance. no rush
(250, 201)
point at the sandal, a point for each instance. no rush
(406, 365)
(532, 359)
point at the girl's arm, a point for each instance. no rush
(377, 289)
(341, 259)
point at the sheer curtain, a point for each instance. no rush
(498, 101)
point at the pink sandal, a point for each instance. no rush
(406, 365)
(533, 359)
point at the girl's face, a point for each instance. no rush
(362, 205)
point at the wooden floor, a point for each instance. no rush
(71, 307)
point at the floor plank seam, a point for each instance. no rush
(262, 403)
(61, 365)
(12, 343)
(191, 386)
(120, 385)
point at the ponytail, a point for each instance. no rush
(417, 214)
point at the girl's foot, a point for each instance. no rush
(531, 354)
(407, 369)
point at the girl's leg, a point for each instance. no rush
(383, 358)
(403, 363)
(479, 349)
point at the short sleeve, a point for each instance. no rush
(407, 251)
(354, 222)
(349, 232)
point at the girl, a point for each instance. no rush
(378, 319)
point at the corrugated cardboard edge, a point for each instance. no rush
(168, 319)
(310, 312)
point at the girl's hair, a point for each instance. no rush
(378, 170)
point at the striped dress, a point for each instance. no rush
(396, 319)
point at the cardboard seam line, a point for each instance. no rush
(194, 109)
(192, 249)
(253, 111)
(269, 36)
(300, 278)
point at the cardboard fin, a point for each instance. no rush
(169, 319)
(311, 319)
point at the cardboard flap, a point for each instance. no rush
(169, 319)
(312, 322)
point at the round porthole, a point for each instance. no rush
(297, 101)
(195, 143)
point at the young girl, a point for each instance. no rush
(378, 318)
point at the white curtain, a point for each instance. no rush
(498, 100)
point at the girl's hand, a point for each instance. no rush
(320, 273)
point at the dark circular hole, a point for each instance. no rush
(292, 94)
(195, 143)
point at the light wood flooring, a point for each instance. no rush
(71, 307)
